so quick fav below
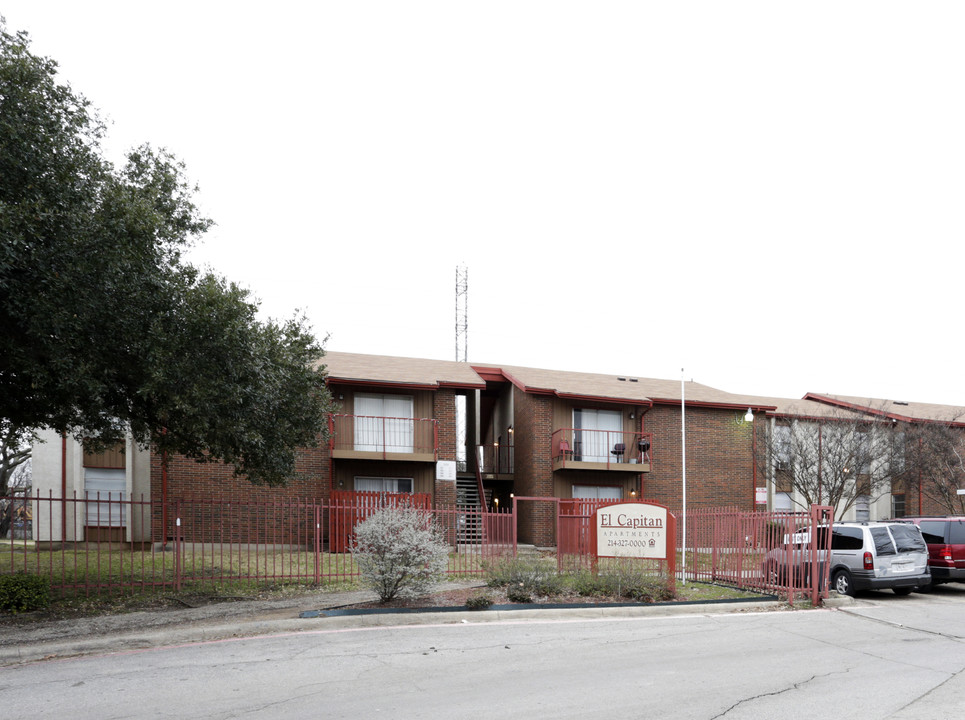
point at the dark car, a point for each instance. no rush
(945, 537)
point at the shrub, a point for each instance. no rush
(587, 584)
(480, 601)
(634, 581)
(23, 593)
(534, 575)
(399, 552)
(518, 594)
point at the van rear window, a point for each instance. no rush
(883, 543)
(907, 538)
(933, 531)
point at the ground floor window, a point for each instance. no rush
(103, 488)
(381, 484)
(782, 502)
(597, 492)
(898, 505)
(862, 508)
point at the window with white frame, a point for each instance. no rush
(104, 490)
(383, 423)
(596, 433)
(597, 492)
(383, 484)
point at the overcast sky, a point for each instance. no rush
(767, 195)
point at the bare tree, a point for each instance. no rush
(837, 459)
(936, 464)
(15, 445)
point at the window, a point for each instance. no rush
(378, 484)
(595, 433)
(907, 538)
(883, 543)
(898, 505)
(597, 492)
(933, 531)
(383, 423)
(783, 502)
(782, 448)
(862, 508)
(103, 488)
(846, 538)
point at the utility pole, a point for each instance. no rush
(462, 313)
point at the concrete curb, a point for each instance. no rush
(280, 623)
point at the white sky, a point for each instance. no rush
(766, 194)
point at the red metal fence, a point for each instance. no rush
(104, 544)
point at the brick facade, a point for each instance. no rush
(720, 458)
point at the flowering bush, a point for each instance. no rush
(399, 552)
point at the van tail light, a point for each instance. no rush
(869, 562)
(945, 553)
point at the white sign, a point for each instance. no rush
(760, 495)
(445, 470)
(633, 530)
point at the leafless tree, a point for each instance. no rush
(936, 464)
(834, 459)
(15, 445)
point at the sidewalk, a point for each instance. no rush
(140, 630)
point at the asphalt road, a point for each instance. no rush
(883, 657)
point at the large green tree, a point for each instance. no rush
(103, 328)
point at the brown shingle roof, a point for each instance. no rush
(898, 409)
(621, 388)
(383, 369)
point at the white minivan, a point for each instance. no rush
(878, 556)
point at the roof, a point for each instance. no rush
(409, 372)
(357, 368)
(620, 388)
(896, 409)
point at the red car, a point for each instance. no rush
(945, 537)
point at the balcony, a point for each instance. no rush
(364, 437)
(495, 461)
(578, 449)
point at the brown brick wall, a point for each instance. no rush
(188, 479)
(720, 467)
(534, 467)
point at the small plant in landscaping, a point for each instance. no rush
(399, 552)
(22, 593)
(480, 601)
(533, 575)
(518, 594)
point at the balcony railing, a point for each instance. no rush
(495, 459)
(603, 449)
(365, 436)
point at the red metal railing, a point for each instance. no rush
(105, 544)
(767, 551)
(101, 543)
(384, 435)
(569, 445)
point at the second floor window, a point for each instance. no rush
(383, 422)
(595, 433)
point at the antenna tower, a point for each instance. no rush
(462, 313)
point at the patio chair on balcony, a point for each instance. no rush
(619, 450)
(565, 451)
